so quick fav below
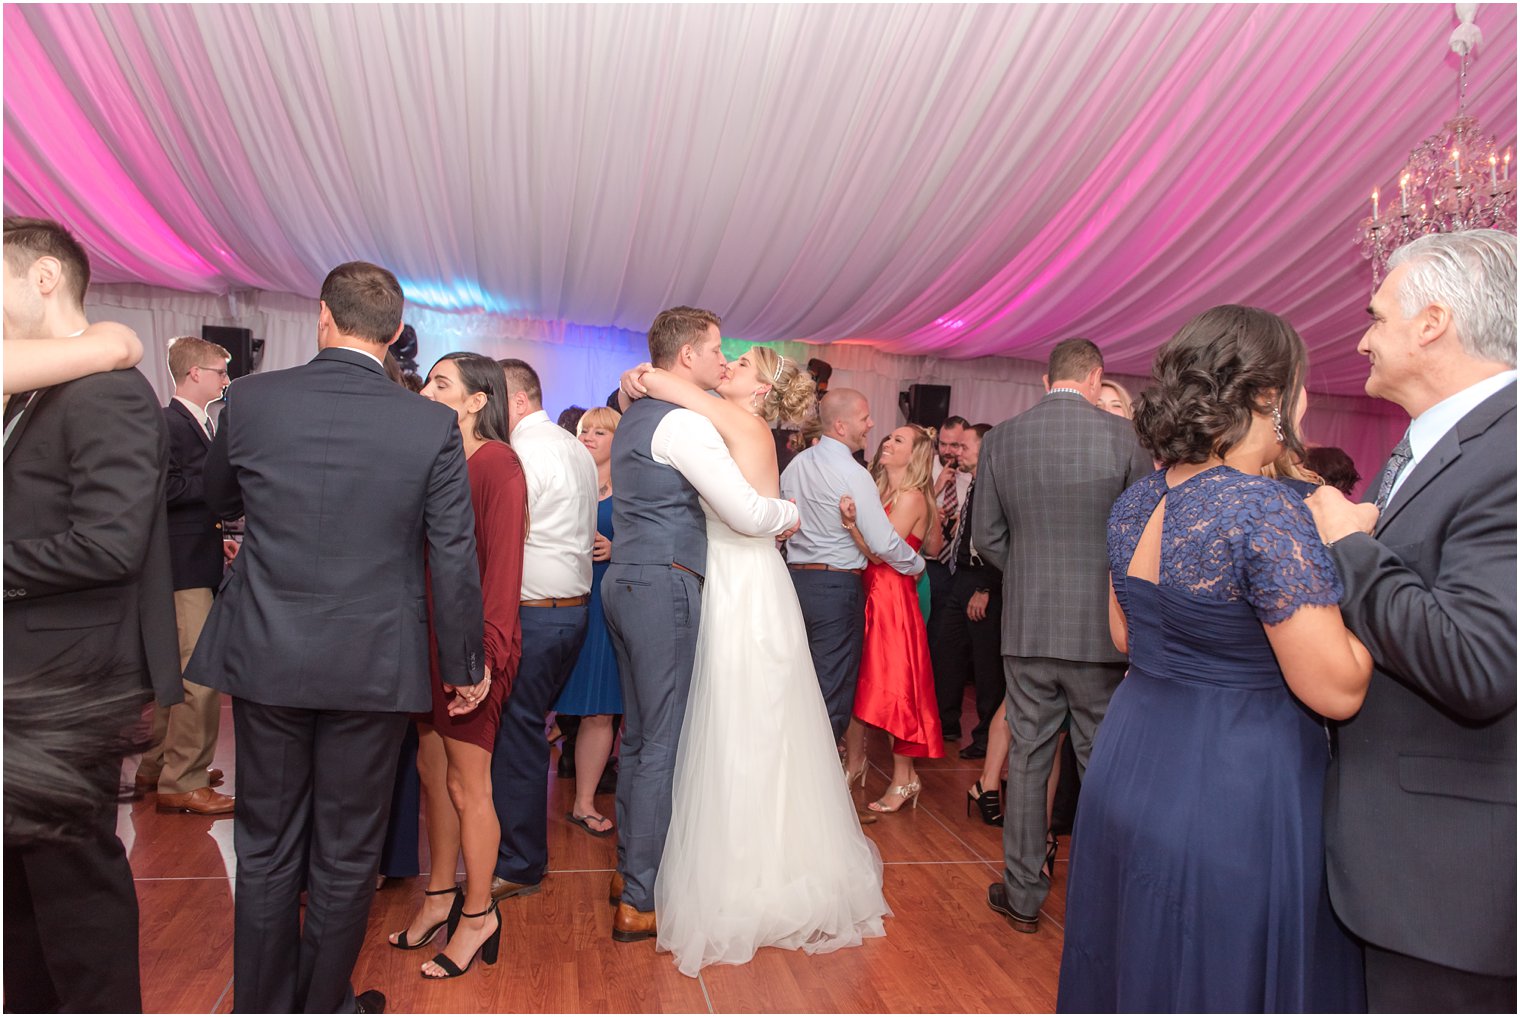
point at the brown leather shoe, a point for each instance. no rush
(997, 900)
(502, 889)
(866, 816)
(217, 776)
(630, 926)
(201, 802)
(615, 891)
(145, 784)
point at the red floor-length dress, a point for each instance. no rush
(896, 689)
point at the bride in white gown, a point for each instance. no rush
(764, 846)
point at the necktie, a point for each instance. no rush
(948, 518)
(1396, 463)
(13, 407)
(960, 527)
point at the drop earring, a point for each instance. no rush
(1277, 430)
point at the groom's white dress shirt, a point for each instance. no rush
(688, 442)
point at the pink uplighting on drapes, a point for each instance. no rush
(959, 181)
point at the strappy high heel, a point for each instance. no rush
(988, 803)
(858, 777)
(487, 951)
(402, 943)
(1052, 843)
(908, 792)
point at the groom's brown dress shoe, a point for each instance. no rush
(997, 900)
(615, 891)
(504, 889)
(630, 926)
(201, 802)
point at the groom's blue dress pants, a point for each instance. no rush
(834, 611)
(653, 612)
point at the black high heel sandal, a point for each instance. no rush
(402, 943)
(1052, 842)
(988, 803)
(488, 950)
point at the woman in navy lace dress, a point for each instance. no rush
(1197, 873)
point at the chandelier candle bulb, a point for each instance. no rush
(1493, 171)
(1374, 203)
(1404, 193)
(1506, 165)
(1456, 164)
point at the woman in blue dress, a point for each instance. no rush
(592, 692)
(1198, 873)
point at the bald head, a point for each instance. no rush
(846, 417)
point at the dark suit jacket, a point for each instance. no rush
(1420, 803)
(195, 533)
(1045, 484)
(87, 578)
(344, 478)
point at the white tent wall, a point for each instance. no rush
(581, 365)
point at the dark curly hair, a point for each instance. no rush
(1209, 379)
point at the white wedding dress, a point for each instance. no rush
(764, 848)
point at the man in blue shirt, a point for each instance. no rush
(825, 563)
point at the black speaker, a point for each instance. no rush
(236, 341)
(928, 405)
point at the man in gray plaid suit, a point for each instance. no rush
(1046, 481)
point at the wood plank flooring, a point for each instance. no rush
(944, 950)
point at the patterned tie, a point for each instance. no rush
(1396, 463)
(960, 527)
(948, 518)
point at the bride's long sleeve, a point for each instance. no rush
(691, 444)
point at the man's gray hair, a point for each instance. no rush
(1473, 274)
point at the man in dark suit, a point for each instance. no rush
(178, 759)
(1420, 800)
(320, 632)
(87, 596)
(1045, 484)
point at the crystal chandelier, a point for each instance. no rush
(1457, 179)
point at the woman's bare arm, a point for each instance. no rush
(38, 363)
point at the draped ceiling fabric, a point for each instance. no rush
(946, 182)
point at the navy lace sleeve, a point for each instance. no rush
(1285, 565)
(1126, 522)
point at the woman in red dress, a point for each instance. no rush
(454, 749)
(896, 689)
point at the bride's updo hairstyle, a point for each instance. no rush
(1212, 376)
(792, 396)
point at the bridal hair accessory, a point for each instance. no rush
(1277, 423)
(780, 363)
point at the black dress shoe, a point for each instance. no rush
(997, 900)
(370, 1001)
(974, 751)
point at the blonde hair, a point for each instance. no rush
(604, 417)
(793, 393)
(186, 352)
(919, 475)
(1124, 399)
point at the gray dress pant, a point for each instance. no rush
(1040, 692)
(653, 612)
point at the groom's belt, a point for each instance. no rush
(584, 598)
(818, 566)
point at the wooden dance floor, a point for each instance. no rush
(944, 950)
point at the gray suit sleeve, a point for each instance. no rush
(1454, 640)
(989, 525)
(458, 615)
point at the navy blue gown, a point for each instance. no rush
(1198, 874)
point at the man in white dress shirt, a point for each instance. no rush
(556, 591)
(826, 565)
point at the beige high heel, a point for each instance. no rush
(851, 779)
(908, 792)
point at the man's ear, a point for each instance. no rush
(1434, 321)
(48, 273)
(1045, 380)
(398, 331)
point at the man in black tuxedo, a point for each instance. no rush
(177, 761)
(320, 632)
(1420, 799)
(87, 596)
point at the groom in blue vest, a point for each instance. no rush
(663, 458)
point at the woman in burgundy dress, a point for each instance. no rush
(454, 751)
(896, 689)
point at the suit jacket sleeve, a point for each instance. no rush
(1454, 639)
(185, 487)
(989, 525)
(116, 490)
(458, 615)
(218, 479)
